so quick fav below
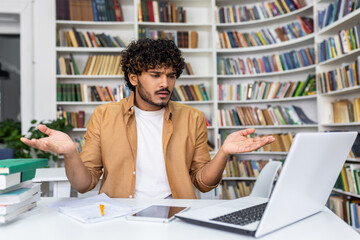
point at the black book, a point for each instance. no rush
(188, 92)
(96, 94)
(304, 118)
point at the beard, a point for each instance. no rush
(146, 96)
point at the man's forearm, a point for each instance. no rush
(78, 175)
(212, 172)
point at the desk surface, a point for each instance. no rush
(47, 223)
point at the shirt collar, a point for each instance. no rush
(129, 106)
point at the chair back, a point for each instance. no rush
(265, 181)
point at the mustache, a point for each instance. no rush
(163, 90)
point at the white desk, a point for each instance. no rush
(49, 224)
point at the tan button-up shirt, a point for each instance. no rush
(111, 147)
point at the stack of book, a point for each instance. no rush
(18, 194)
(256, 11)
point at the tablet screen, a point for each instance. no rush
(157, 211)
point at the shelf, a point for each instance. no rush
(265, 153)
(271, 126)
(89, 50)
(345, 193)
(266, 47)
(341, 124)
(312, 67)
(169, 24)
(312, 97)
(343, 58)
(342, 91)
(79, 130)
(267, 20)
(80, 103)
(355, 160)
(185, 77)
(89, 76)
(332, 26)
(196, 102)
(65, 23)
(196, 50)
(239, 178)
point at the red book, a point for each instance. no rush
(81, 119)
(150, 11)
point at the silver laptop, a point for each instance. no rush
(309, 173)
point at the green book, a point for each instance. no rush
(9, 166)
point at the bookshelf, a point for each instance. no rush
(350, 92)
(309, 103)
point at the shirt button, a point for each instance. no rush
(130, 196)
(134, 172)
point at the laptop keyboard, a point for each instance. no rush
(244, 216)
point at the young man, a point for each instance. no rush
(145, 145)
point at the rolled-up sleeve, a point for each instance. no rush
(91, 152)
(201, 156)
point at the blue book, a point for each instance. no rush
(321, 16)
(288, 61)
(256, 65)
(329, 12)
(94, 9)
(282, 60)
(291, 5)
(264, 59)
(304, 56)
(295, 57)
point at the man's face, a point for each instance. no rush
(154, 88)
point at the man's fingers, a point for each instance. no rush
(45, 129)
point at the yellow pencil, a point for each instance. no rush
(102, 207)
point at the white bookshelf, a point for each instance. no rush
(324, 100)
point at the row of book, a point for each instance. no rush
(89, 10)
(267, 36)
(252, 116)
(346, 111)
(95, 65)
(346, 76)
(182, 39)
(75, 119)
(335, 11)
(256, 11)
(81, 92)
(159, 11)
(74, 38)
(192, 92)
(18, 194)
(79, 143)
(345, 41)
(266, 64)
(261, 90)
(349, 179)
(243, 168)
(187, 69)
(237, 190)
(347, 209)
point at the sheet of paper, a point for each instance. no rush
(87, 210)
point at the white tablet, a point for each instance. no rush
(157, 213)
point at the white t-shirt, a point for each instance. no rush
(151, 178)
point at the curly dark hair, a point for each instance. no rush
(146, 54)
